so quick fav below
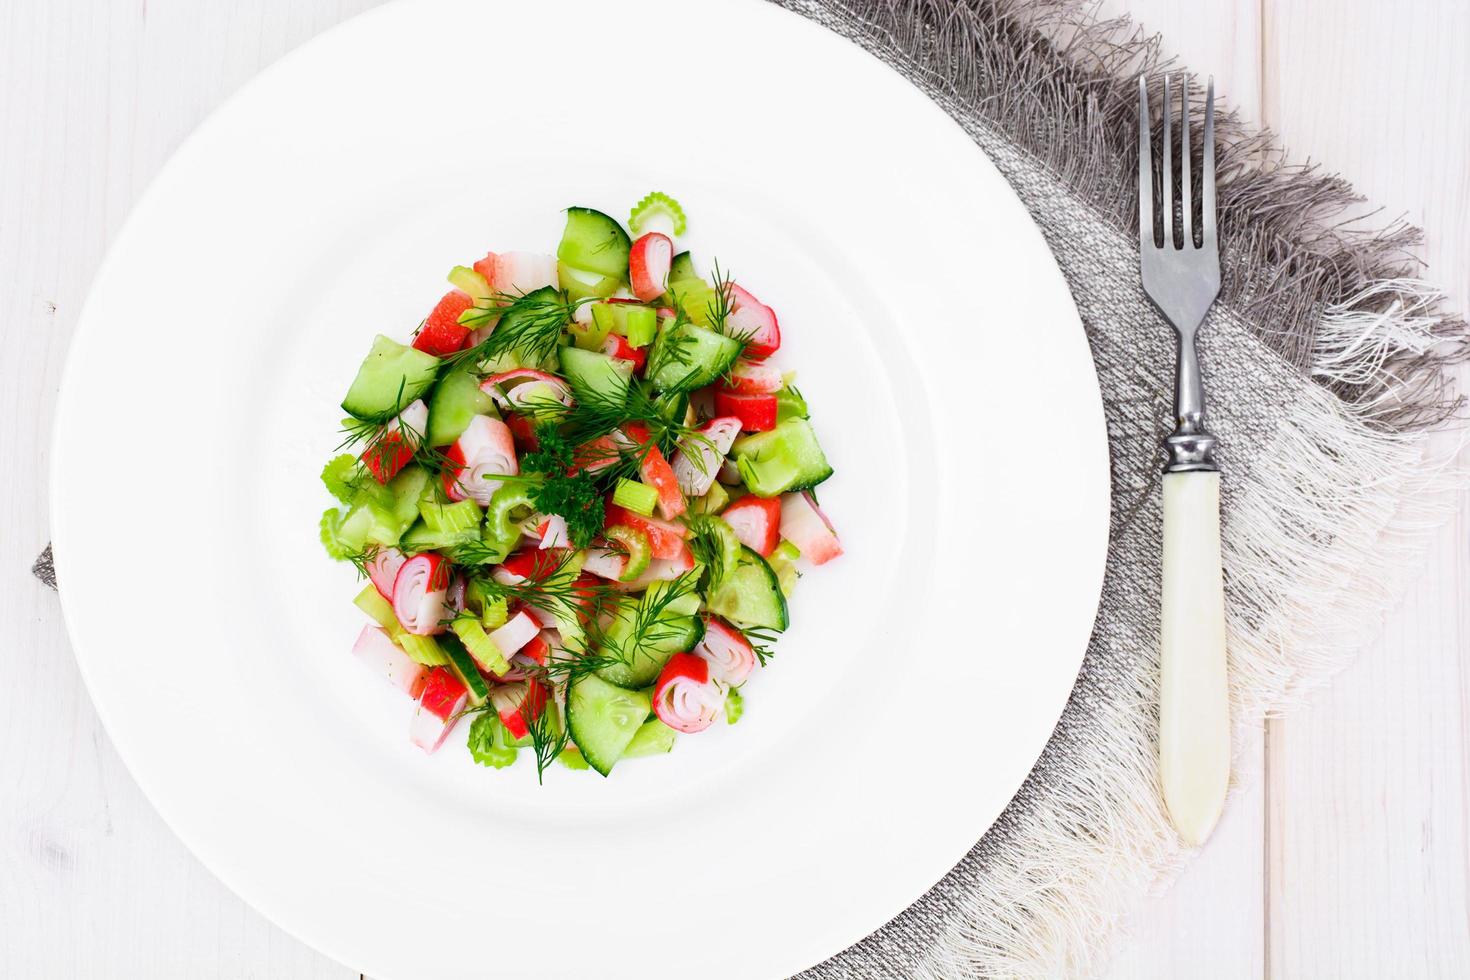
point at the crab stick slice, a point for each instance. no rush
(519, 705)
(686, 697)
(804, 525)
(442, 334)
(729, 654)
(519, 273)
(753, 378)
(526, 389)
(382, 568)
(649, 261)
(657, 473)
(753, 319)
(485, 450)
(665, 539)
(440, 703)
(419, 592)
(391, 449)
(386, 659)
(757, 523)
(516, 632)
(698, 460)
(757, 413)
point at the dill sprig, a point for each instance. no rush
(548, 739)
(555, 587)
(761, 640)
(530, 325)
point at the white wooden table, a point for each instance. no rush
(1348, 858)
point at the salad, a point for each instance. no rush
(579, 496)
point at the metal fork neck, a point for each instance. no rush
(1189, 447)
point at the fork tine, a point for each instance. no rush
(1145, 170)
(1168, 168)
(1207, 167)
(1186, 151)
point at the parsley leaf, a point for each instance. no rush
(574, 496)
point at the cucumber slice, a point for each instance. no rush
(603, 719)
(786, 458)
(457, 398)
(391, 377)
(682, 268)
(420, 537)
(677, 630)
(595, 377)
(751, 595)
(595, 242)
(653, 738)
(463, 666)
(692, 357)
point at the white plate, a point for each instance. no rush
(937, 344)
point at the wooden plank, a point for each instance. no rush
(94, 96)
(1368, 786)
(1211, 922)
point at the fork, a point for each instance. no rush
(1183, 279)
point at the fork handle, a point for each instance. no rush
(1194, 710)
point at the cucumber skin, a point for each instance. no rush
(719, 354)
(456, 400)
(584, 697)
(592, 372)
(682, 268)
(726, 599)
(388, 380)
(463, 666)
(811, 465)
(594, 242)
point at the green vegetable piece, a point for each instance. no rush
(653, 737)
(637, 497)
(422, 649)
(464, 667)
(637, 546)
(330, 528)
(682, 268)
(343, 477)
(590, 336)
(467, 280)
(596, 378)
(594, 242)
(712, 502)
(391, 377)
(657, 203)
(486, 654)
(734, 706)
(378, 609)
(489, 742)
(640, 325)
(572, 759)
(456, 400)
(581, 285)
(784, 459)
(751, 596)
(603, 718)
(450, 518)
(790, 405)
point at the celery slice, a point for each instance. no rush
(572, 758)
(462, 515)
(472, 634)
(712, 502)
(489, 742)
(734, 706)
(378, 609)
(655, 203)
(636, 544)
(502, 523)
(422, 649)
(330, 529)
(343, 476)
(640, 324)
(637, 497)
(786, 551)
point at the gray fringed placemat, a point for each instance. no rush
(1325, 364)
